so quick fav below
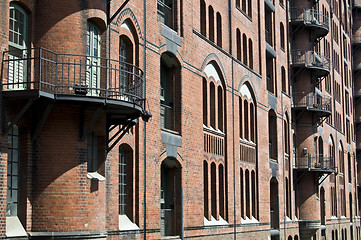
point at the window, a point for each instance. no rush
(214, 190)
(242, 193)
(18, 29)
(250, 8)
(211, 23)
(244, 49)
(250, 49)
(203, 18)
(92, 153)
(239, 44)
(93, 59)
(125, 63)
(219, 29)
(205, 182)
(167, 13)
(205, 103)
(284, 80)
(240, 104)
(248, 194)
(282, 33)
(170, 93)
(126, 187)
(270, 75)
(272, 137)
(12, 172)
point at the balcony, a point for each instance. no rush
(321, 106)
(41, 73)
(318, 163)
(311, 60)
(317, 22)
(214, 142)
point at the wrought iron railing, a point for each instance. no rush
(70, 74)
(312, 101)
(310, 17)
(318, 162)
(310, 59)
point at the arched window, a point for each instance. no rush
(341, 164)
(205, 186)
(18, 31)
(221, 191)
(240, 104)
(248, 195)
(214, 190)
(93, 53)
(272, 137)
(170, 93)
(205, 102)
(242, 192)
(245, 49)
(211, 23)
(239, 44)
(203, 17)
(253, 196)
(213, 105)
(245, 122)
(220, 108)
(349, 167)
(286, 136)
(219, 29)
(282, 33)
(126, 187)
(274, 204)
(252, 122)
(250, 49)
(125, 63)
(284, 80)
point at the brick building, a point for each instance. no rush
(180, 119)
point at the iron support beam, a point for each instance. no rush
(125, 129)
(42, 122)
(91, 124)
(18, 116)
(110, 19)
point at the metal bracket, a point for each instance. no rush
(18, 116)
(125, 128)
(91, 124)
(42, 122)
(110, 19)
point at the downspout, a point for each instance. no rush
(233, 143)
(144, 127)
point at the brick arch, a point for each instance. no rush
(246, 81)
(213, 58)
(128, 14)
(97, 16)
(25, 5)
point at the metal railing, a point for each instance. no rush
(310, 17)
(318, 162)
(70, 74)
(312, 101)
(310, 59)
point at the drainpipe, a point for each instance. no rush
(233, 142)
(144, 127)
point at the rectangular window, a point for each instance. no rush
(12, 173)
(92, 153)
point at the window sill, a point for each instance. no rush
(125, 224)
(215, 222)
(14, 228)
(248, 220)
(95, 176)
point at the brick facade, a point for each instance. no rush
(251, 133)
